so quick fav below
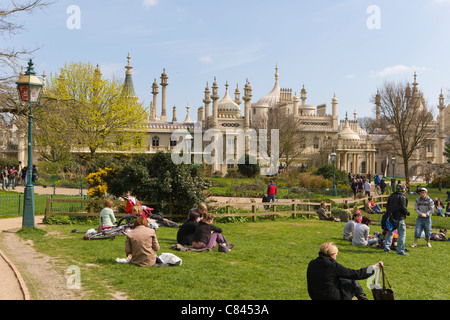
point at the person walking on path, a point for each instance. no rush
(424, 206)
(397, 205)
(271, 191)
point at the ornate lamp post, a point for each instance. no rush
(333, 157)
(29, 87)
(393, 173)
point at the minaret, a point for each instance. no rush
(207, 101)
(441, 131)
(303, 95)
(377, 106)
(215, 96)
(155, 100)
(174, 115)
(295, 101)
(334, 112)
(164, 84)
(247, 104)
(415, 90)
(237, 96)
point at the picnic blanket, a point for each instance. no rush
(182, 248)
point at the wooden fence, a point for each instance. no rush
(293, 208)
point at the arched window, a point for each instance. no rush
(316, 143)
(155, 141)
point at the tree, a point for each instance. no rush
(439, 171)
(447, 151)
(81, 109)
(405, 120)
(292, 141)
(155, 178)
(249, 168)
(10, 11)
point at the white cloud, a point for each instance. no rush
(397, 69)
(350, 76)
(149, 3)
(205, 59)
(441, 1)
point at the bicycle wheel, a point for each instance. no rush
(99, 236)
(129, 220)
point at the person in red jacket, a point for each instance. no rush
(271, 191)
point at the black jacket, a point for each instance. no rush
(203, 232)
(323, 278)
(185, 233)
(397, 204)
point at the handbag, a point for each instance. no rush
(383, 293)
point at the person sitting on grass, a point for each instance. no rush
(361, 234)
(324, 214)
(186, 232)
(357, 211)
(349, 227)
(207, 235)
(107, 217)
(200, 210)
(141, 244)
(329, 280)
(370, 206)
(345, 214)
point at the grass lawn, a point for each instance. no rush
(269, 262)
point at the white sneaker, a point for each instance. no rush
(414, 246)
(428, 245)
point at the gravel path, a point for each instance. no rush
(27, 274)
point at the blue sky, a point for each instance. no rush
(325, 45)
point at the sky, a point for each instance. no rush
(343, 48)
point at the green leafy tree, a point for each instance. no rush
(447, 151)
(155, 178)
(249, 169)
(81, 109)
(326, 171)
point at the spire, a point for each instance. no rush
(128, 87)
(276, 72)
(188, 119)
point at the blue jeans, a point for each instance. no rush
(271, 197)
(401, 237)
(423, 224)
(5, 183)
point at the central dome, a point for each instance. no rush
(273, 97)
(227, 107)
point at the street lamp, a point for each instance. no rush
(393, 173)
(333, 157)
(29, 87)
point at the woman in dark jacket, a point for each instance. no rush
(328, 280)
(185, 233)
(208, 235)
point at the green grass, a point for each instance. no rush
(269, 261)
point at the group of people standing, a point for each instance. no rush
(11, 176)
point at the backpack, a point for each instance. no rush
(388, 222)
